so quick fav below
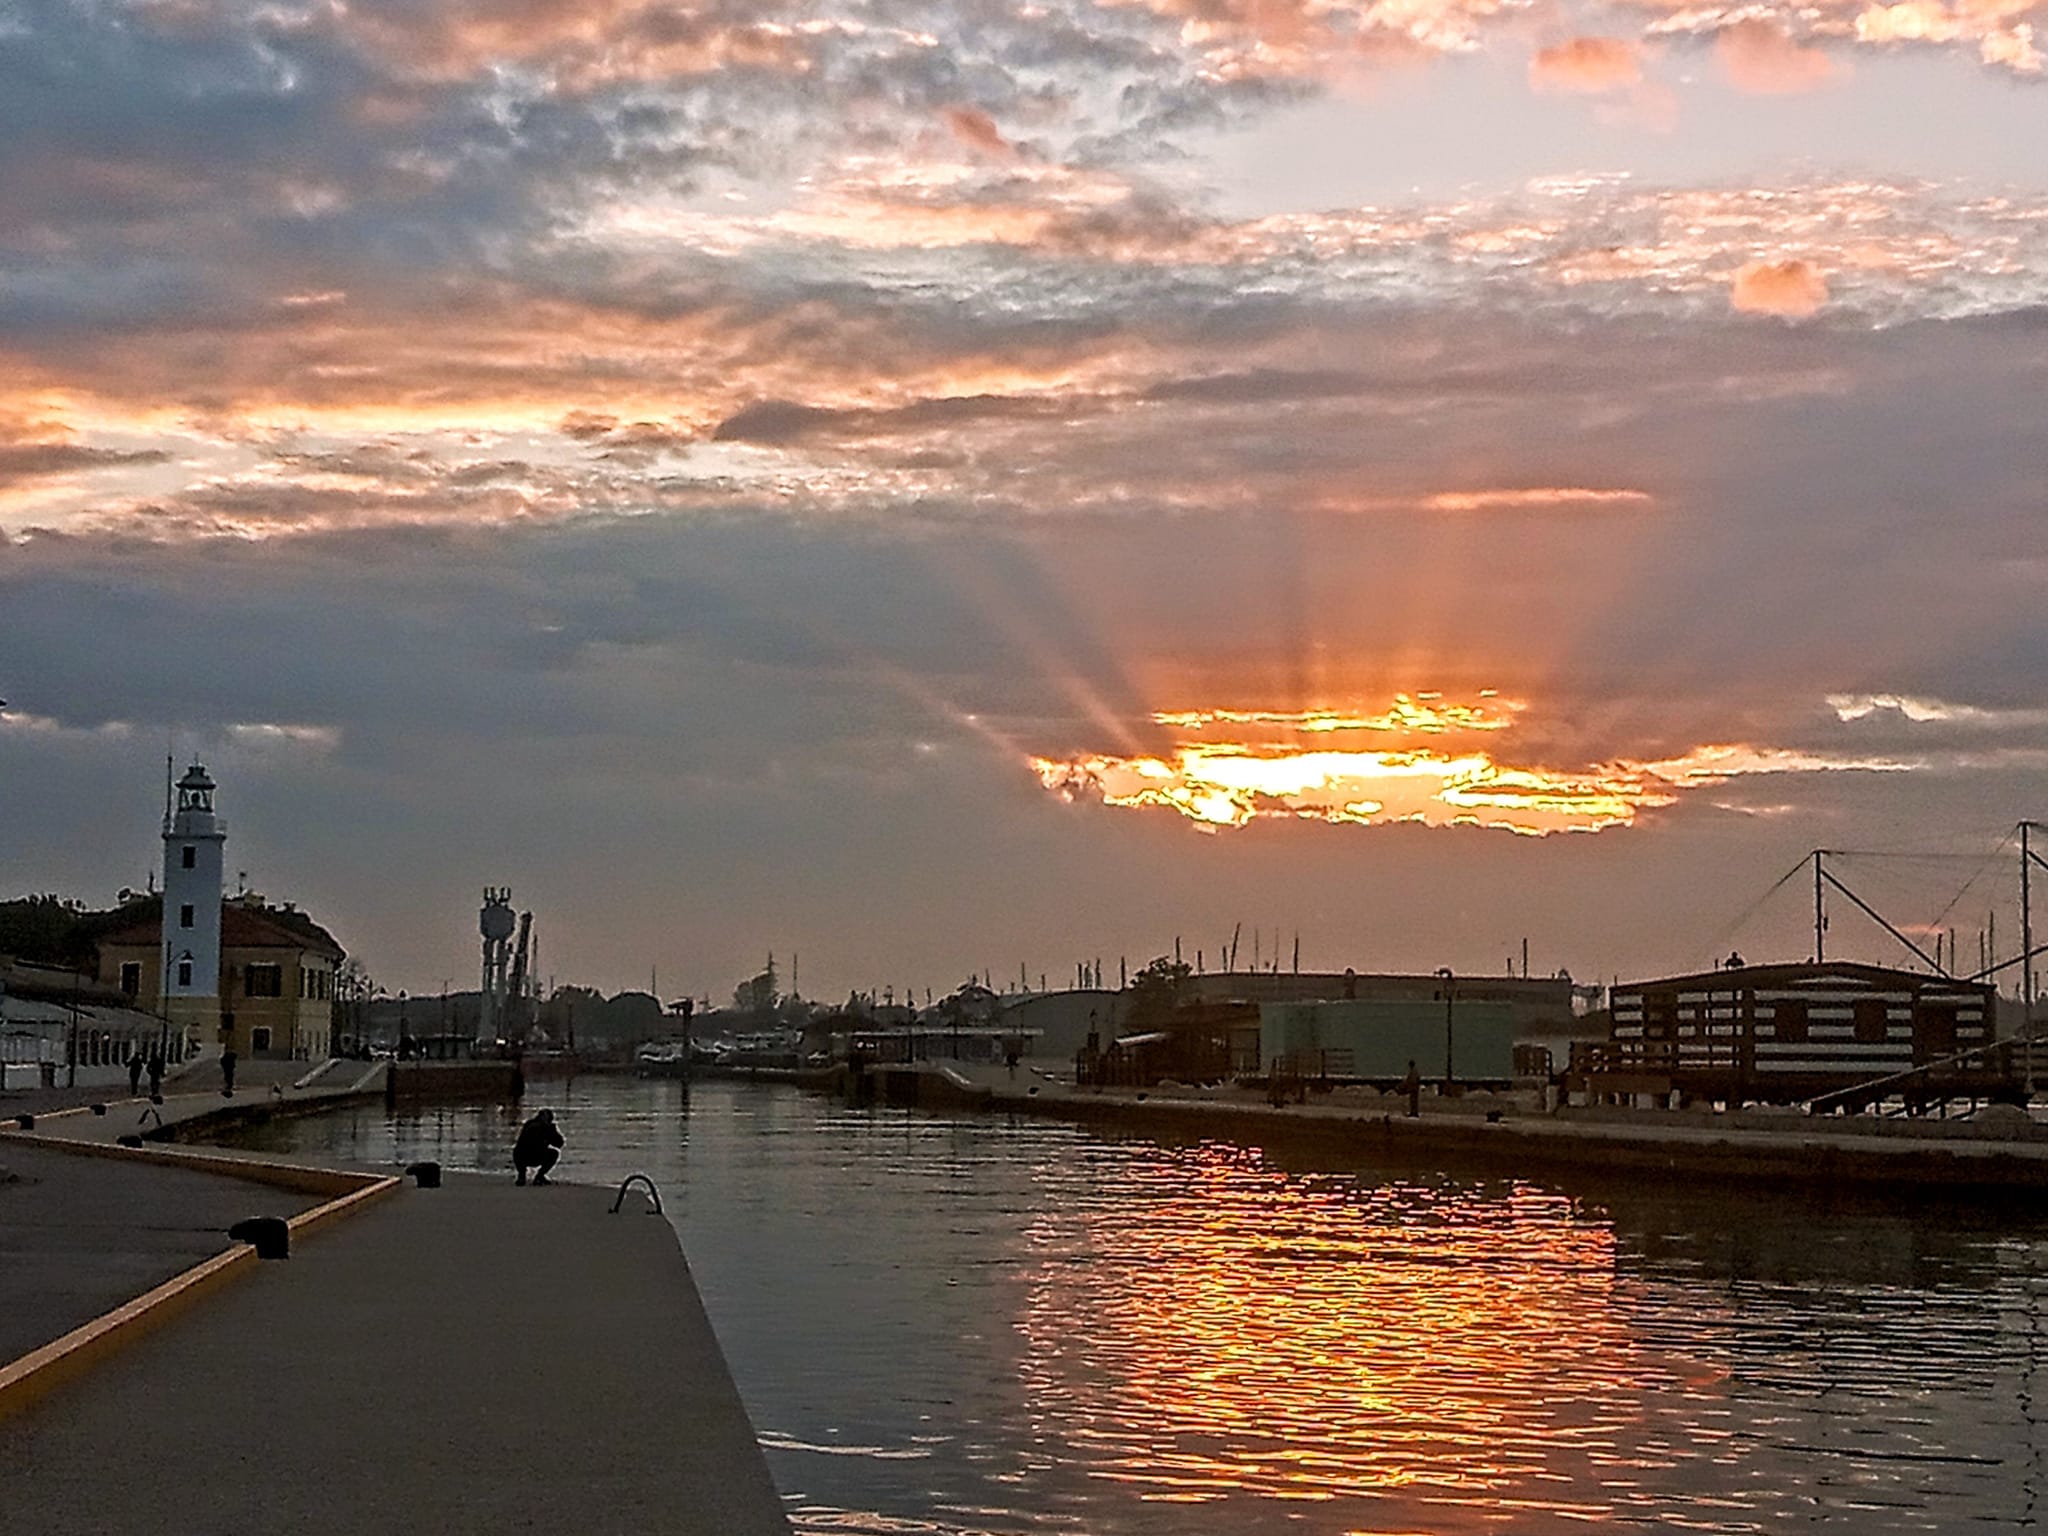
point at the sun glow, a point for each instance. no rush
(1219, 783)
(1228, 785)
(1425, 713)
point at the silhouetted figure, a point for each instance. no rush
(537, 1147)
(156, 1074)
(135, 1073)
(227, 1071)
(1412, 1086)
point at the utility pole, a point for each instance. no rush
(2027, 955)
(1450, 1003)
(1820, 921)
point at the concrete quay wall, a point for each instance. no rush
(1802, 1151)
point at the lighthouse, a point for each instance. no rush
(193, 840)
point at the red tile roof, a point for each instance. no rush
(242, 927)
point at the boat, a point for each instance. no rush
(662, 1058)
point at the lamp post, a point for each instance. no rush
(71, 1074)
(1450, 1003)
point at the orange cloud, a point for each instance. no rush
(1791, 288)
(976, 129)
(1505, 498)
(1587, 65)
(1219, 783)
(1522, 498)
(2002, 36)
(1760, 57)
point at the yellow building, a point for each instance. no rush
(276, 978)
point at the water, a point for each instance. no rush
(975, 1325)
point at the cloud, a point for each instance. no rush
(1792, 288)
(2003, 38)
(1525, 498)
(1233, 782)
(1589, 65)
(1940, 712)
(21, 462)
(976, 129)
(782, 422)
(1759, 56)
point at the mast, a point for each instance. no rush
(1820, 921)
(2027, 953)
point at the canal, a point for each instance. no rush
(954, 1325)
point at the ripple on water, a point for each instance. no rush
(946, 1327)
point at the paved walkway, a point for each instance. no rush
(477, 1358)
(126, 1116)
(80, 1236)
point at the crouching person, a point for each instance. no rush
(538, 1147)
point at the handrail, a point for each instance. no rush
(1861, 1090)
(628, 1182)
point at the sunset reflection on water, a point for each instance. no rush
(1233, 1329)
(981, 1327)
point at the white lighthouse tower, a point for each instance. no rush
(193, 840)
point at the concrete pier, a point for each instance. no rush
(1776, 1147)
(80, 1236)
(474, 1358)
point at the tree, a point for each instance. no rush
(1157, 992)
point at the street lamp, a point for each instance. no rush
(1450, 995)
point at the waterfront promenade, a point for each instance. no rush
(469, 1358)
(79, 1236)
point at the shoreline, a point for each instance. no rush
(1816, 1153)
(1824, 1154)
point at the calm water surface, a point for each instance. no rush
(978, 1326)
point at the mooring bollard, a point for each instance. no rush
(99, 1109)
(425, 1175)
(268, 1235)
(128, 1139)
(26, 1122)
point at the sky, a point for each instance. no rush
(958, 488)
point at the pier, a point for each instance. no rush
(472, 1357)
(1498, 1131)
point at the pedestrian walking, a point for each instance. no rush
(227, 1072)
(156, 1074)
(1412, 1086)
(134, 1073)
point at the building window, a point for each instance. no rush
(184, 973)
(131, 977)
(1872, 1021)
(263, 981)
(259, 1038)
(1936, 1027)
(1788, 1021)
(190, 855)
(185, 915)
